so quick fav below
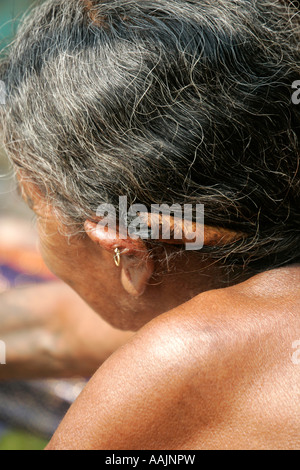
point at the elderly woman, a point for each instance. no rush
(176, 103)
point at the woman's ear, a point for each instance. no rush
(135, 274)
(136, 267)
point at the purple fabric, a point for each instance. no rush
(16, 277)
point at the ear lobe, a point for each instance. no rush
(136, 266)
(136, 274)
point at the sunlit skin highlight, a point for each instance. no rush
(191, 340)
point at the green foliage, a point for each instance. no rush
(18, 440)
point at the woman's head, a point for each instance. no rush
(175, 102)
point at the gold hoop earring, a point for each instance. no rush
(117, 257)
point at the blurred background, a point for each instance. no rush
(29, 411)
(10, 12)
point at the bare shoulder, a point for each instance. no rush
(216, 373)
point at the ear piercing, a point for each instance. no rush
(117, 257)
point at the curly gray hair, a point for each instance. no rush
(166, 102)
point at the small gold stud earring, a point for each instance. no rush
(117, 257)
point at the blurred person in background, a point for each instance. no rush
(175, 102)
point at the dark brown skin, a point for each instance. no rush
(213, 372)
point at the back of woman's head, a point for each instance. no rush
(165, 102)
